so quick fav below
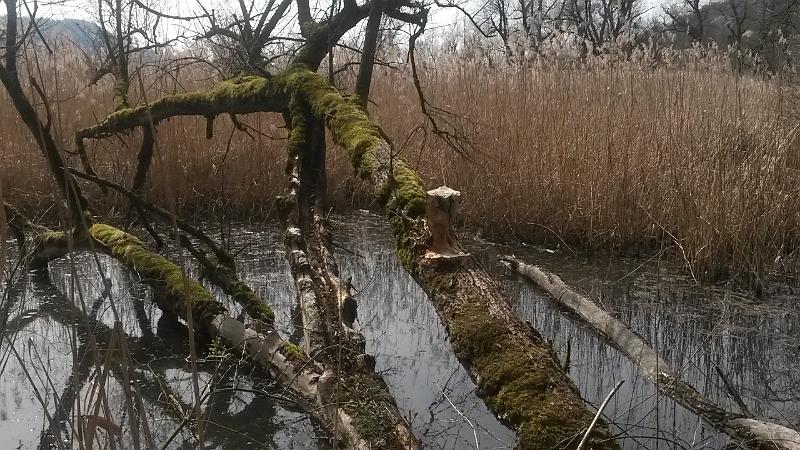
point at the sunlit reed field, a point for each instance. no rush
(696, 165)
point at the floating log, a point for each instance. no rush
(744, 431)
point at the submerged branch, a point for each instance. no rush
(176, 294)
(220, 270)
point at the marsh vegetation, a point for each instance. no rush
(194, 254)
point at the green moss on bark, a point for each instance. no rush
(294, 353)
(524, 385)
(399, 189)
(240, 292)
(160, 271)
(363, 401)
(241, 95)
(252, 303)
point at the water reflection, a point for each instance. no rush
(695, 330)
(756, 346)
(58, 334)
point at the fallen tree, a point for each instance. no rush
(349, 385)
(219, 268)
(516, 371)
(183, 297)
(744, 431)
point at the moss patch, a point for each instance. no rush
(522, 384)
(160, 271)
(240, 292)
(400, 191)
(251, 302)
(364, 400)
(239, 95)
(294, 353)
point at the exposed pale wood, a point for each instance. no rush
(440, 209)
(348, 388)
(301, 375)
(505, 357)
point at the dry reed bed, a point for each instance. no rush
(622, 158)
(629, 159)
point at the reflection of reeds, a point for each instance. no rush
(621, 157)
(64, 343)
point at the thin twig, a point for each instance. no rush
(599, 413)
(469, 422)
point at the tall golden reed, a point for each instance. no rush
(621, 157)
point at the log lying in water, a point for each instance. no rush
(747, 432)
(354, 393)
(176, 295)
(516, 370)
(219, 269)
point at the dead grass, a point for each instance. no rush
(619, 157)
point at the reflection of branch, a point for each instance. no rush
(469, 422)
(736, 397)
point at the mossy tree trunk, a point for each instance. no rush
(361, 414)
(356, 396)
(516, 371)
(176, 294)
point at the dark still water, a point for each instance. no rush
(755, 344)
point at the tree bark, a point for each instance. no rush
(744, 431)
(312, 384)
(367, 63)
(70, 190)
(349, 385)
(144, 158)
(516, 370)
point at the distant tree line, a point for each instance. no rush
(761, 34)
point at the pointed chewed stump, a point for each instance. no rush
(441, 207)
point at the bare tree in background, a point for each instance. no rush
(600, 22)
(124, 28)
(686, 16)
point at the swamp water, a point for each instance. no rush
(755, 344)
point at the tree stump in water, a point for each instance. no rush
(442, 205)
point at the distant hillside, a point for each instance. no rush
(81, 32)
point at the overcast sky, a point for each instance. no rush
(82, 9)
